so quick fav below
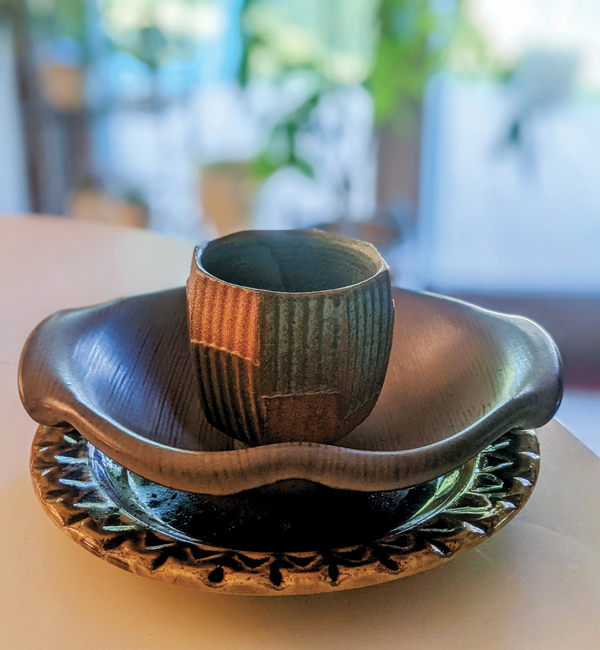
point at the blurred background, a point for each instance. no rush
(461, 137)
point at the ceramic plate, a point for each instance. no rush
(291, 540)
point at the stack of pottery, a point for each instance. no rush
(289, 424)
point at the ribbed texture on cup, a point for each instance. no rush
(223, 316)
(288, 366)
(224, 339)
(336, 342)
(370, 312)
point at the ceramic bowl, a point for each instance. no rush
(458, 378)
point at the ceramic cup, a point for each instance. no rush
(290, 334)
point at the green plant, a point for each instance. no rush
(407, 54)
(407, 39)
(280, 149)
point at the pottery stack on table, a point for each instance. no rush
(292, 425)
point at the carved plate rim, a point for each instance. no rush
(503, 478)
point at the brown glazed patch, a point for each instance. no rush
(311, 415)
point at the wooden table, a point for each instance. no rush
(536, 584)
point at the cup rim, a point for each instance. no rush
(365, 247)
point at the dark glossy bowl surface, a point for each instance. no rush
(459, 377)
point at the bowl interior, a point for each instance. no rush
(289, 261)
(449, 367)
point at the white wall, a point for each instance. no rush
(509, 219)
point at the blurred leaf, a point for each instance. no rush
(413, 40)
(261, 167)
(303, 166)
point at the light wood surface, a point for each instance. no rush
(536, 584)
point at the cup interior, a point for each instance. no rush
(290, 261)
